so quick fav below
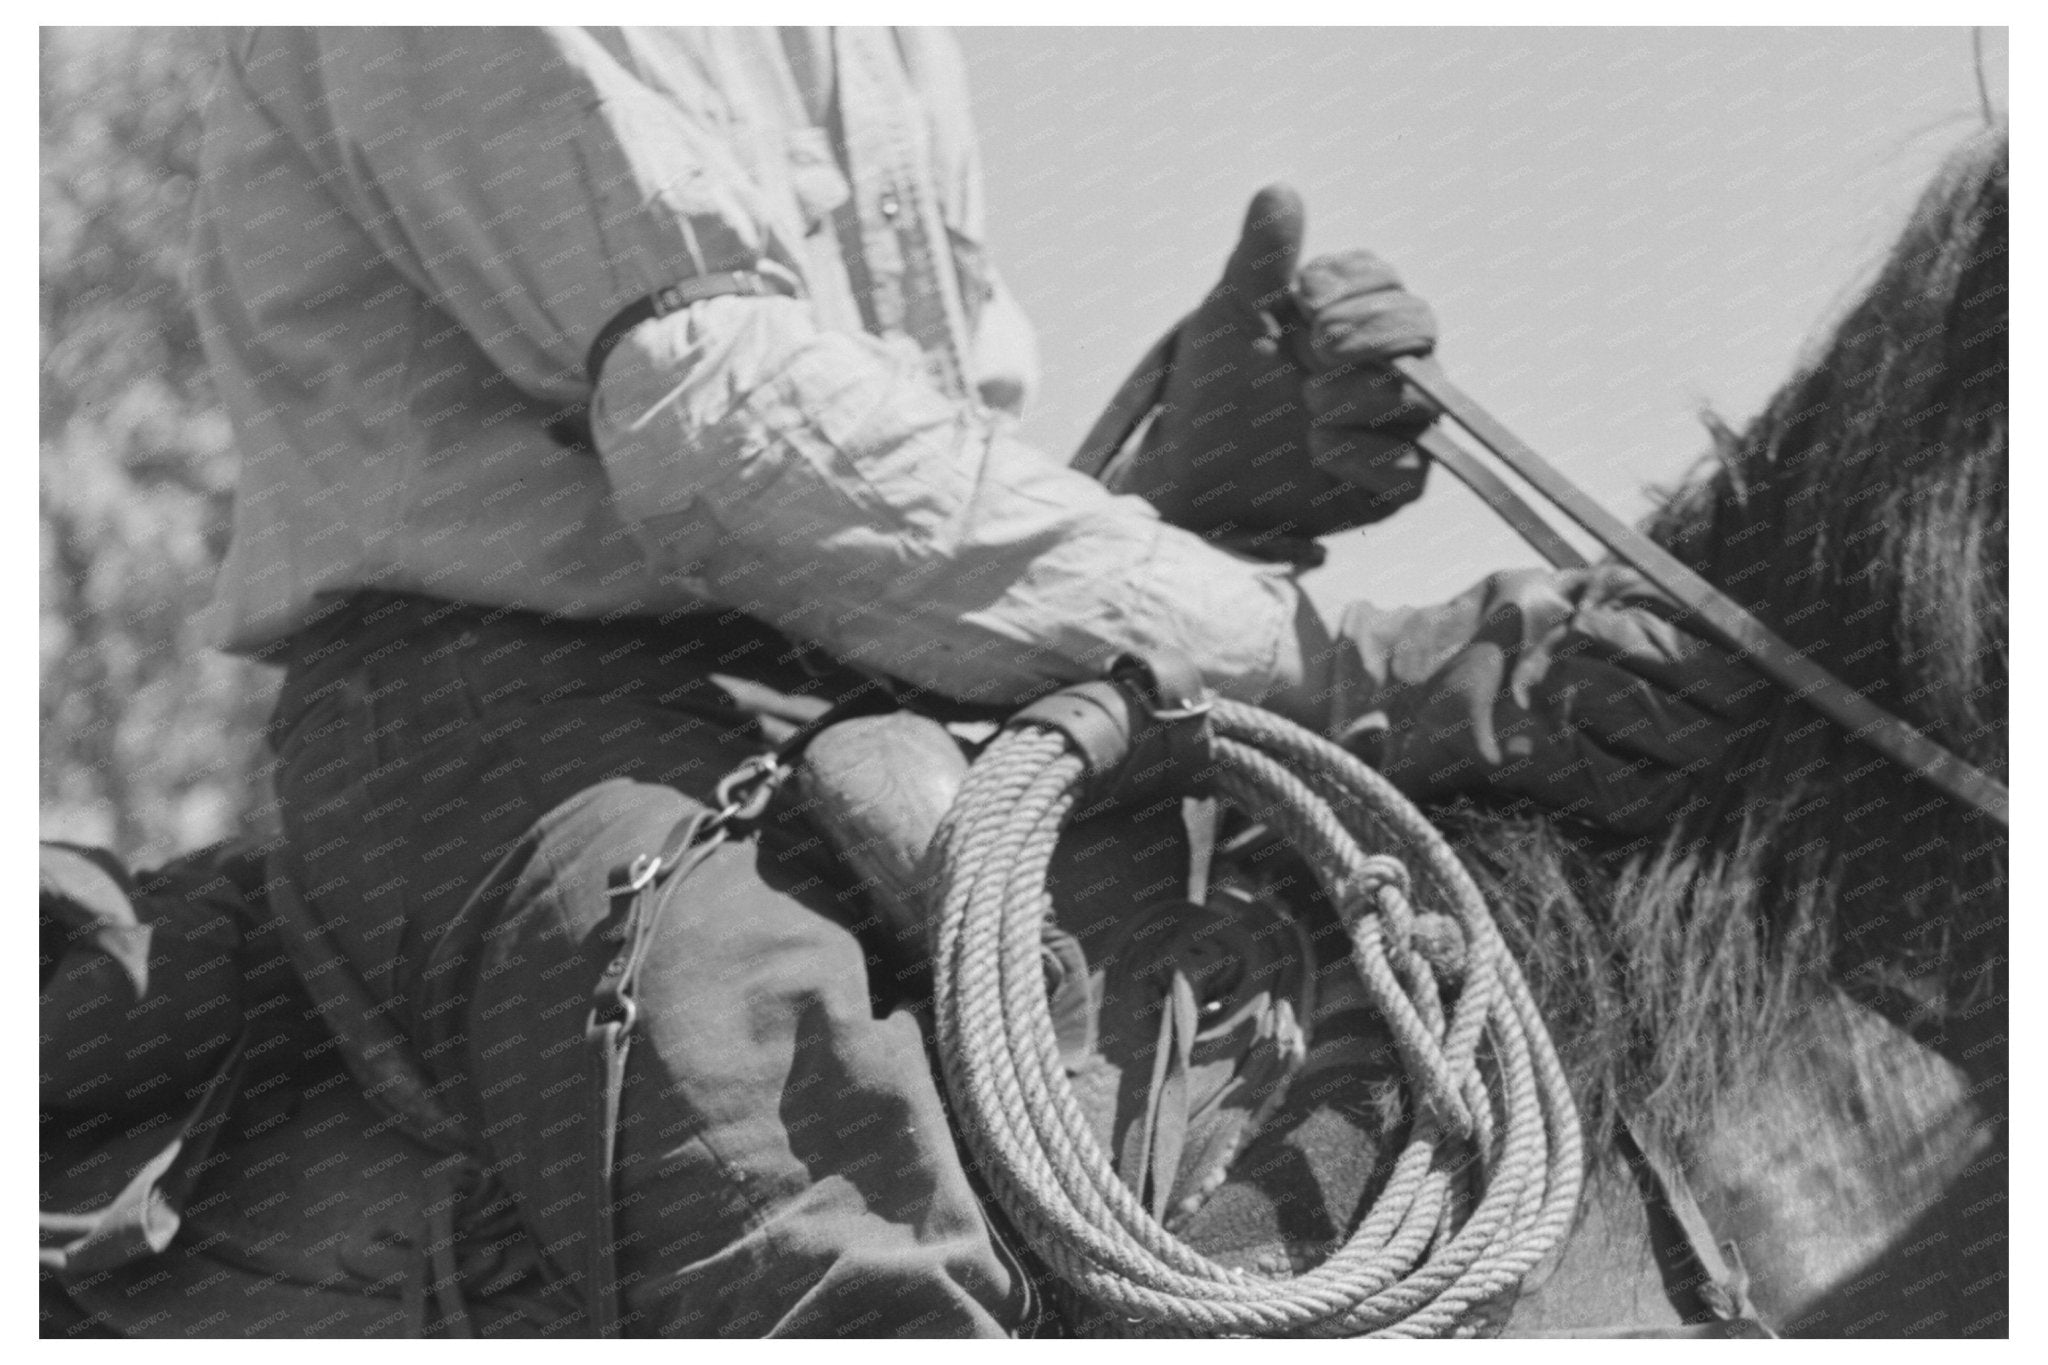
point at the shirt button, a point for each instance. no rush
(890, 206)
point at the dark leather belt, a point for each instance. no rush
(391, 629)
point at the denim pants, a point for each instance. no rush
(458, 787)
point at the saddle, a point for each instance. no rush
(1187, 1011)
(1208, 1015)
(1212, 1025)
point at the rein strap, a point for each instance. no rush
(1720, 617)
(1717, 615)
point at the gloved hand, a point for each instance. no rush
(1573, 689)
(1279, 421)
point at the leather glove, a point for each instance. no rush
(1573, 689)
(1279, 421)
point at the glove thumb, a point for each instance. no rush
(1261, 269)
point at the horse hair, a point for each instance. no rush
(1862, 515)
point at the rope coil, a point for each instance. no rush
(1493, 1099)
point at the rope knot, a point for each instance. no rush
(1439, 940)
(1385, 872)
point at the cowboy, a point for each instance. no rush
(609, 399)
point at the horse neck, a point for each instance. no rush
(1884, 562)
(1810, 861)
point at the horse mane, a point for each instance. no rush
(1862, 515)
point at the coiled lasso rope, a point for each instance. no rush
(1486, 1078)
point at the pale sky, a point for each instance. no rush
(1617, 227)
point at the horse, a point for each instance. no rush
(1794, 998)
(1782, 1018)
(1801, 988)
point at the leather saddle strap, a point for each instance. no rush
(614, 1013)
(1719, 1281)
(1163, 1130)
(1710, 1273)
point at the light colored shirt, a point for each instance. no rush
(406, 242)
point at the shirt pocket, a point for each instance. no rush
(815, 178)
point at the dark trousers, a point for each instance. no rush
(457, 788)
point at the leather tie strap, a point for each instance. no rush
(1141, 731)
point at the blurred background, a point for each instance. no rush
(150, 739)
(1619, 229)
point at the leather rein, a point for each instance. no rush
(1703, 607)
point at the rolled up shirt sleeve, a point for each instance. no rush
(818, 481)
(522, 179)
